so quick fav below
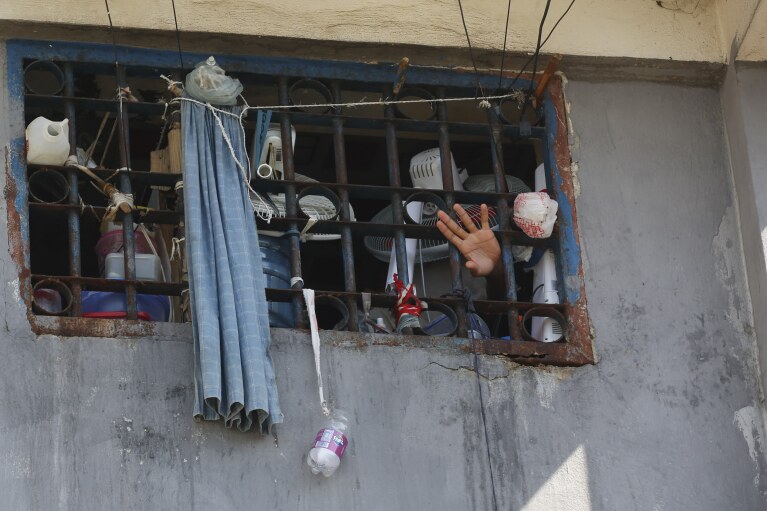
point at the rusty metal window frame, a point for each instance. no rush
(552, 138)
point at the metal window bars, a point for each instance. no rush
(390, 126)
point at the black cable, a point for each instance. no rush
(538, 45)
(505, 36)
(557, 23)
(473, 334)
(126, 150)
(111, 30)
(535, 60)
(524, 68)
(471, 51)
(178, 37)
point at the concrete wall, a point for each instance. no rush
(670, 417)
(744, 103)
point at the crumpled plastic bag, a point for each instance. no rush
(535, 213)
(208, 83)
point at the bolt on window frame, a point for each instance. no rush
(552, 137)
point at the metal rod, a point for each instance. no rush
(129, 240)
(394, 181)
(496, 153)
(291, 206)
(448, 185)
(347, 246)
(73, 218)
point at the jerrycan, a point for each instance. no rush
(47, 141)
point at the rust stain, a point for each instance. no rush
(579, 327)
(91, 327)
(15, 239)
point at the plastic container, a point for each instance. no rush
(148, 266)
(329, 445)
(48, 141)
(157, 307)
(275, 262)
(112, 241)
(142, 316)
(49, 300)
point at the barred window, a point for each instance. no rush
(355, 183)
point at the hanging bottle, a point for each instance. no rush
(47, 141)
(329, 445)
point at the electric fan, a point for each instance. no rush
(545, 283)
(434, 250)
(273, 204)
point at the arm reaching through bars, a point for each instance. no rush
(478, 246)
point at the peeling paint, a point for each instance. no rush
(751, 423)
(15, 289)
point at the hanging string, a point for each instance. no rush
(381, 102)
(314, 328)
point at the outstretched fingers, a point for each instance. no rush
(466, 220)
(484, 217)
(450, 227)
(449, 235)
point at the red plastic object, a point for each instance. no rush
(143, 316)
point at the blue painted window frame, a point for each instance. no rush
(550, 137)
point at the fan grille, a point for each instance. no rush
(431, 250)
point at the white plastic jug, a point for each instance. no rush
(48, 141)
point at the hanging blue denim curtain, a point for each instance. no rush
(234, 376)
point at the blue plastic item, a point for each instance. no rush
(157, 306)
(276, 267)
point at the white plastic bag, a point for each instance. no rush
(209, 83)
(535, 213)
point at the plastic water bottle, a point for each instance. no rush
(329, 445)
(47, 141)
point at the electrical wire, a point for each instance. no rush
(178, 36)
(120, 93)
(471, 51)
(535, 59)
(503, 54)
(111, 30)
(524, 67)
(473, 335)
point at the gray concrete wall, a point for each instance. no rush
(744, 104)
(669, 419)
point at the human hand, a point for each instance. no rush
(478, 246)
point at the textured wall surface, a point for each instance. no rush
(636, 28)
(744, 104)
(669, 419)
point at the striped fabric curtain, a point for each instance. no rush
(234, 377)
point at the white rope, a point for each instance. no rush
(262, 210)
(309, 299)
(483, 101)
(176, 248)
(296, 280)
(116, 201)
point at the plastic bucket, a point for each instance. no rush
(275, 261)
(112, 241)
